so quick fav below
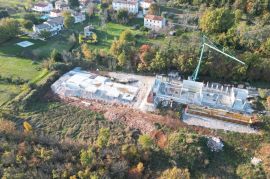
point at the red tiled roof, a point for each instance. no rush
(149, 1)
(56, 11)
(125, 2)
(41, 4)
(153, 17)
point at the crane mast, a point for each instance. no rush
(204, 44)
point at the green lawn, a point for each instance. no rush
(8, 92)
(18, 67)
(110, 32)
(40, 49)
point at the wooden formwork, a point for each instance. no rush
(223, 115)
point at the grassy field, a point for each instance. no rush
(16, 68)
(8, 92)
(111, 31)
(40, 49)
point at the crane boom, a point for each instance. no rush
(195, 74)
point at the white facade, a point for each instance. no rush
(43, 7)
(55, 13)
(132, 6)
(53, 25)
(154, 22)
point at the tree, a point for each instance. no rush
(238, 15)
(3, 14)
(68, 21)
(263, 93)
(45, 34)
(94, 38)
(154, 9)
(86, 157)
(146, 54)
(81, 38)
(126, 36)
(145, 141)
(31, 17)
(122, 16)
(186, 149)
(175, 173)
(86, 52)
(218, 20)
(56, 56)
(73, 3)
(265, 47)
(250, 171)
(9, 28)
(103, 137)
(90, 10)
(27, 24)
(158, 63)
(122, 59)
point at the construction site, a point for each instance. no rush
(210, 105)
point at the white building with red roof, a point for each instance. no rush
(154, 22)
(55, 13)
(132, 6)
(43, 7)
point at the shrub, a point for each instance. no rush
(250, 171)
(145, 141)
(86, 157)
(103, 137)
(175, 173)
(262, 93)
(7, 126)
(27, 126)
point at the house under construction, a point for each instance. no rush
(209, 100)
(86, 85)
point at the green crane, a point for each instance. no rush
(194, 76)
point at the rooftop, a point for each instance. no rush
(125, 2)
(154, 17)
(41, 4)
(88, 85)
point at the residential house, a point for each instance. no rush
(88, 30)
(132, 6)
(61, 5)
(78, 16)
(53, 25)
(42, 7)
(55, 13)
(154, 22)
